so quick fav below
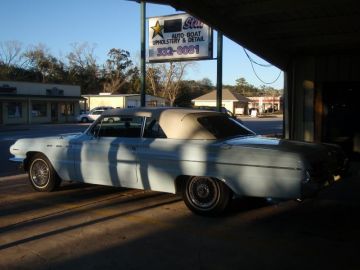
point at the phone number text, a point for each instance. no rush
(180, 50)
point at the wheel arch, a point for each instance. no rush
(29, 155)
(54, 178)
(180, 182)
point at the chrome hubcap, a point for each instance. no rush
(39, 173)
(203, 192)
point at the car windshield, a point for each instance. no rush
(224, 127)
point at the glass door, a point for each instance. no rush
(54, 112)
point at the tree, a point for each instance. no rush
(206, 82)
(10, 59)
(165, 79)
(135, 82)
(118, 70)
(243, 87)
(246, 89)
(10, 53)
(153, 75)
(46, 67)
(83, 68)
(191, 89)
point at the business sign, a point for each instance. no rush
(179, 37)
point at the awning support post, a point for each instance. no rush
(219, 71)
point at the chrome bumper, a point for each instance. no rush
(20, 161)
(15, 159)
(311, 188)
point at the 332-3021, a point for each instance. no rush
(180, 50)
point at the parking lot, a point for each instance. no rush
(95, 227)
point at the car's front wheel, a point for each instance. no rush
(206, 196)
(42, 175)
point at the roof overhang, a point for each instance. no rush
(42, 97)
(278, 30)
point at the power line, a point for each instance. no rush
(252, 62)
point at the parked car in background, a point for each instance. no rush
(206, 156)
(102, 108)
(93, 114)
(89, 117)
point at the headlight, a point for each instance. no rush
(13, 150)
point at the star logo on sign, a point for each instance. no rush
(157, 30)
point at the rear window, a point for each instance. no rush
(223, 127)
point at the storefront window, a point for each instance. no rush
(14, 110)
(151, 103)
(39, 109)
(67, 109)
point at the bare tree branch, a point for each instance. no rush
(10, 52)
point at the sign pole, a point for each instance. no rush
(142, 53)
(219, 71)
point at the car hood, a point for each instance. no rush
(61, 137)
(28, 144)
(41, 144)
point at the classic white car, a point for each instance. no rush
(205, 155)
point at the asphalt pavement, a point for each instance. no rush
(265, 126)
(96, 227)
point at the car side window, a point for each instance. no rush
(153, 129)
(119, 126)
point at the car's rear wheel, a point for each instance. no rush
(42, 175)
(206, 196)
(84, 119)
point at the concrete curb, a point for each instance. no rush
(12, 128)
(262, 116)
(2, 129)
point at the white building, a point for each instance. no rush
(27, 103)
(232, 101)
(265, 103)
(120, 101)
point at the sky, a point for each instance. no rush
(107, 24)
